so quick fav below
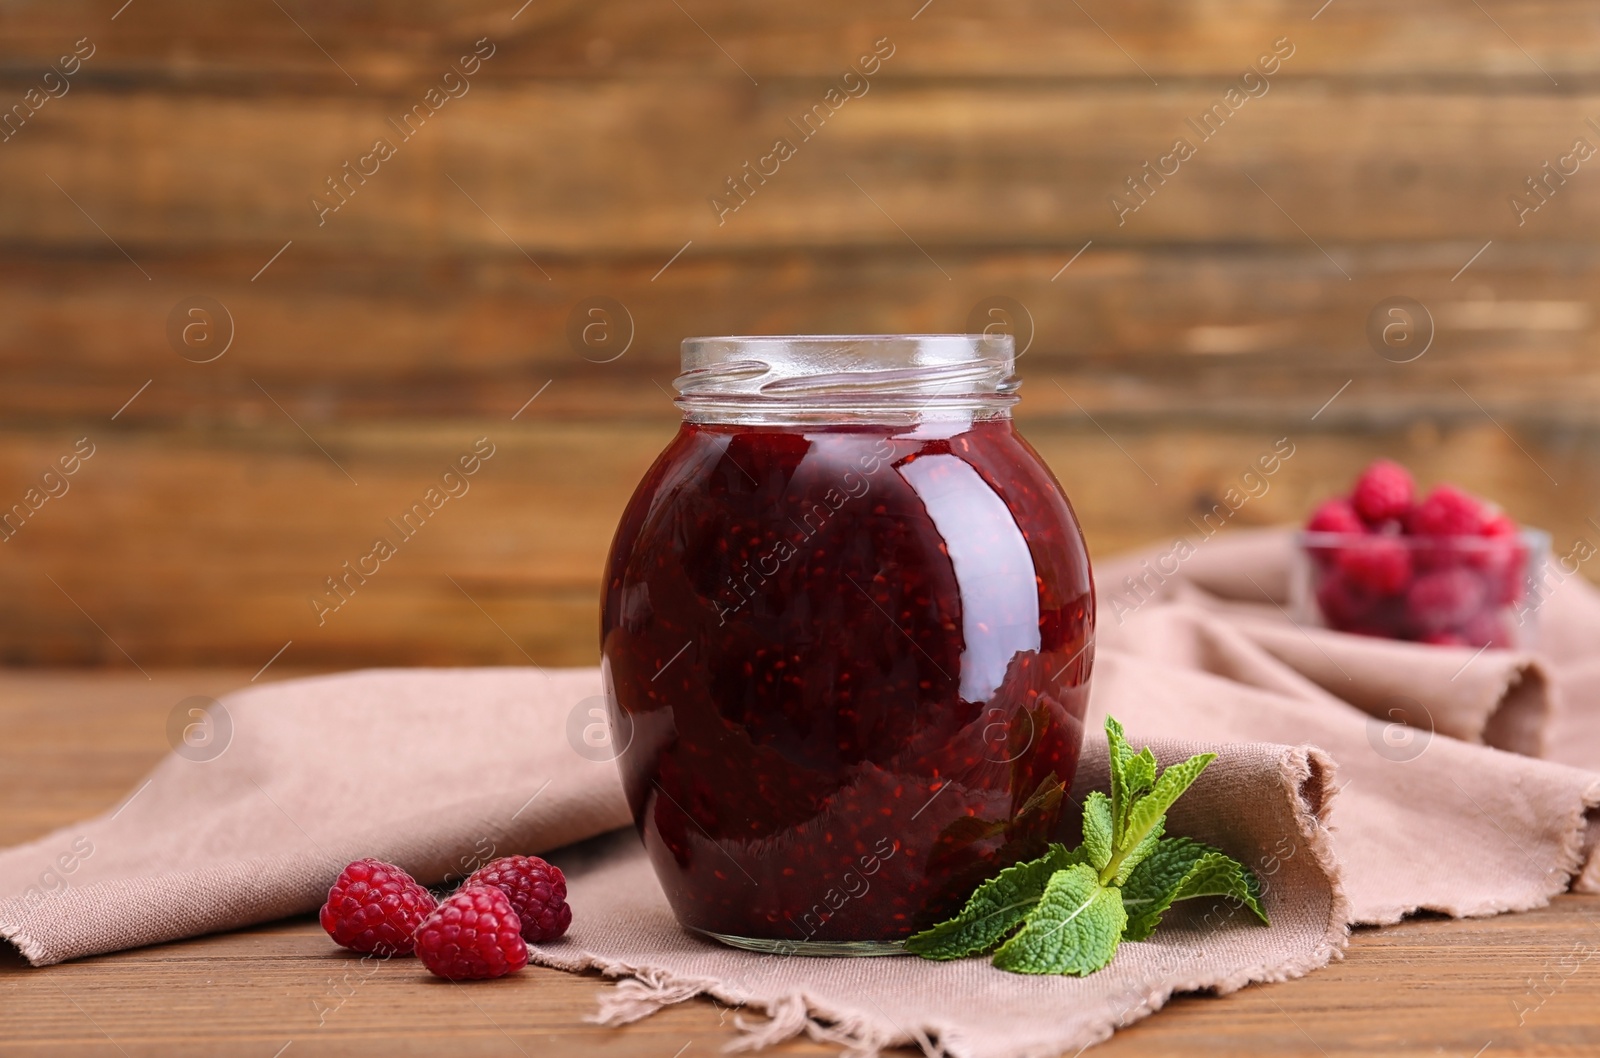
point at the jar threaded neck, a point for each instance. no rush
(847, 378)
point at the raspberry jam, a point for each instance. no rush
(854, 660)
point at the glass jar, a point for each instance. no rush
(848, 621)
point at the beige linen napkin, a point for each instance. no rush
(435, 769)
(1260, 802)
(440, 769)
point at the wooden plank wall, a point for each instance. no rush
(372, 345)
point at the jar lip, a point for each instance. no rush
(980, 337)
(846, 377)
(862, 352)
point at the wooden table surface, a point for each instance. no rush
(72, 744)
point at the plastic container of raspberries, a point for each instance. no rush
(1448, 568)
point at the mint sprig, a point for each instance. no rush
(1075, 906)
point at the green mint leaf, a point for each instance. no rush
(1151, 809)
(1182, 869)
(1074, 907)
(1097, 828)
(995, 908)
(1139, 775)
(1074, 929)
(1153, 885)
(1218, 874)
(1137, 854)
(1131, 775)
(1141, 771)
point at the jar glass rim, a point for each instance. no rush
(979, 337)
(846, 377)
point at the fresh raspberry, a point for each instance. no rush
(375, 907)
(1445, 598)
(474, 934)
(1384, 490)
(1335, 516)
(1448, 511)
(1343, 607)
(1377, 565)
(537, 891)
(1498, 526)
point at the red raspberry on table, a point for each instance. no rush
(375, 907)
(1384, 490)
(537, 891)
(1445, 598)
(1448, 511)
(1378, 565)
(473, 935)
(1335, 516)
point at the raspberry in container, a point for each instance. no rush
(1448, 569)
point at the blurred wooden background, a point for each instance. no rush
(375, 348)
